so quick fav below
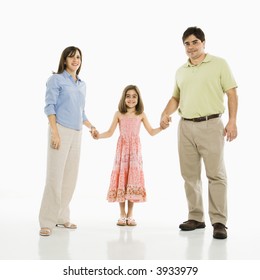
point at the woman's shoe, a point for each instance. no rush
(45, 231)
(67, 225)
(121, 221)
(131, 222)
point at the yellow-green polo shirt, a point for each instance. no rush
(200, 89)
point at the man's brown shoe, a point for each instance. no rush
(191, 225)
(219, 231)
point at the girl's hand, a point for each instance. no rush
(94, 133)
(165, 121)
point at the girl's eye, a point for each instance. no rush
(132, 96)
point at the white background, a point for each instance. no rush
(123, 42)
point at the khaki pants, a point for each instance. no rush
(203, 140)
(61, 177)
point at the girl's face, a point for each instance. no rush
(73, 63)
(131, 98)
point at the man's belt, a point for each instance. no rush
(202, 119)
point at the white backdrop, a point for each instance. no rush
(123, 42)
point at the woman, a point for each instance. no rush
(65, 102)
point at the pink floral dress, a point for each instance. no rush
(127, 178)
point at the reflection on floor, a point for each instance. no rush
(99, 238)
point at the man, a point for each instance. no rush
(199, 97)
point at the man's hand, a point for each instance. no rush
(230, 131)
(165, 121)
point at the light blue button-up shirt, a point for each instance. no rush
(65, 98)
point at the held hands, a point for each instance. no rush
(94, 133)
(165, 121)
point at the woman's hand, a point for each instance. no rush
(55, 140)
(94, 133)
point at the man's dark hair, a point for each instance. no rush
(194, 30)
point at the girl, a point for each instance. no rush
(127, 178)
(65, 101)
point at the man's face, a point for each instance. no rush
(194, 47)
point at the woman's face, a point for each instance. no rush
(73, 62)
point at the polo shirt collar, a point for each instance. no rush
(206, 59)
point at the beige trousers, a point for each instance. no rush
(61, 177)
(203, 141)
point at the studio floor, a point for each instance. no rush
(98, 237)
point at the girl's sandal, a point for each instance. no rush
(45, 231)
(121, 221)
(131, 222)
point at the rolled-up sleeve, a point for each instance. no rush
(84, 117)
(52, 94)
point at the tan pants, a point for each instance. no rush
(61, 177)
(203, 140)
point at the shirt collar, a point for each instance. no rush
(67, 74)
(206, 59)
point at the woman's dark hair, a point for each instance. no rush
(194, 30)
(68, 52)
